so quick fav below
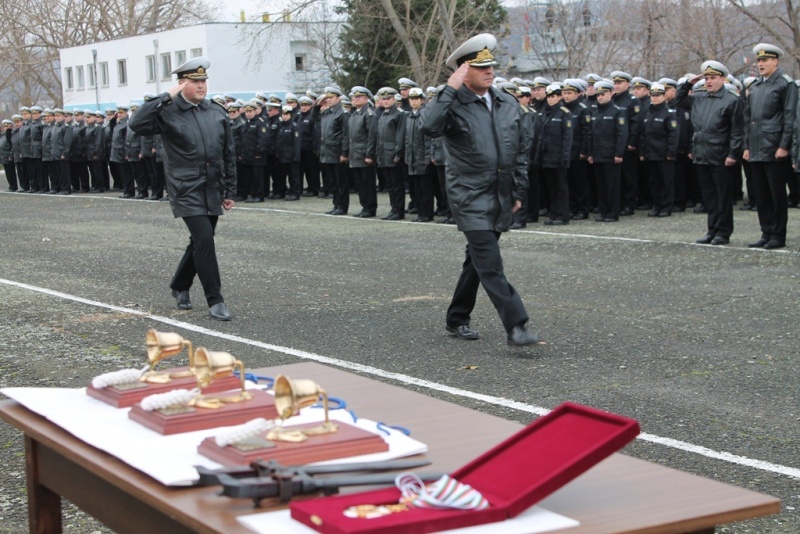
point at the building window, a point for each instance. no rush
(151, 68)
(104, 74)
(299, 62)
(79, 81)
(166, 66)
(180, 58)
(90, 75)
(122, 72)
(68, 80)
(196, 52)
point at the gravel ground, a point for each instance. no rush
(698, 343)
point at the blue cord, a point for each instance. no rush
(256, 378)
(384, 428)
(339, 404)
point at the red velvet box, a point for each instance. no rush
(513, 476)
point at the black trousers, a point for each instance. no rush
(139, 172)
(309, 167)
(662, 184)
(54, 173)
(150, 170)
(33, 170)
(11, 175)
(682, 161)
(22, 176)
(769, 180)
(335, 174)
(365, 184)
(96, 171)
(79, 171)
(442, 203)
(423, 185)
(395, 185)
(64, 176)
(630, 179)
(558, 187)
(716, 185)
(200, 259)
(161, 180)
(608, 176)
(279, 186)
(483, 266)
(579, 192)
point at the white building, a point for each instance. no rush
(245, 58)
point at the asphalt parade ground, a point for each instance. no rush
(699, 343)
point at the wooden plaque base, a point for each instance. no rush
(348, 441)
(261, 405)
(123, 398)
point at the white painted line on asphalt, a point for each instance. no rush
(410, 380)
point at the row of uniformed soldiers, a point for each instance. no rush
(55, 151)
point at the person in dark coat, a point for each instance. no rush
(201, 174)
(287, 151)
(359, 146)
(421, 170)
(485, 143)
(62, 139)
(658, 146)
(252, 159)
(117, 155)
(390, 145)
(7, 155)
(553, 151)
(333, 160)
(607, 148)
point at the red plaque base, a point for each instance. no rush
(513, 476)
(123, 398)
(347, 441)
(261, 405)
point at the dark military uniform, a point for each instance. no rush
(658, 145)
(630, 166)
(578, 173)
(390, 148)
(333, 122)
(309, 159)
(7, 158)
(288, 152)
(50, 176)
(769, 113)
(79, 169)
(359, 145)
(609, 141)
(418, 155)
(118, 157)
(62, 140)
(254, 137)
(553, 156)
(95, 150)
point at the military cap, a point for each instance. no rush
(148, 96)
(398, 98)
(48, 111)
(6, 121)
(386, 92)
(24, 109)
(16, 117)
(668, 82)
(657, 89)
(134, 105)
(731, 88)
(572, 84)
(262, 95)
(748, 81)
(592, 78)
(498, 80)
(406, 83)
(268, 104)
(99, 114)
(553, 89)
(738, 84)
(332, 91)
(234, 105)
(713, 68)
(620, 76)
(517, 81)
(603, 86)
(194, 69)
(528, 83)
(540, 82)
(290, 97)
(80, 111)
(416, 92)
(287, 109)
(699, 86)
(346, 102)
(123, 107)
(258, 103)
(58, 111)
(305, 100)
(219, 99)
(311, 94)
(476, 52)
(508, 87)
(275, 98)
(230, 97)
(524, 90)
(36, 109)
(638, 81)
(240, 101)
(251, 104)
(432, 91)
(766, 50)
(361, 91)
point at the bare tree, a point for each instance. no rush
(777, 21)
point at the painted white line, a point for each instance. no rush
(413, 381)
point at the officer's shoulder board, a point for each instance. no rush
(565, 109)
(370, 113)
(788, 78)
(581, 104)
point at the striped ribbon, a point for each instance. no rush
(445, 493)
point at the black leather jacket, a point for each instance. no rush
(717, 125)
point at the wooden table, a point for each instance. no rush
(621, 494)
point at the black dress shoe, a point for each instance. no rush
(599, 219)
(745, 207)
(705, 240)
(140, 196)
(678, 209)
(329, 196)
(556, 222)
(126, 196)
(65, 193)
(220, 312)
(309, 194)
(663, 214)
(626, 212)
(394, 217)
(412, 210)
(611, 219)
(338, 212)
(386, 218)
(519, 337)
(700, 209)
(579, 217)
(462, 332)
(517, 226)
(758, 244)
(772, 244)
(652, 213)
(330, 211)
(423, 219)
(643, 207)
(719, 240)
(182, 298)
(291, 198)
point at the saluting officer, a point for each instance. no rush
(716, 146)
(607, 149)
(360, 147)
(770, 109)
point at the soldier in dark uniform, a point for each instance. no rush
(77, 154)
(273, 167)
(486, 182)
(118, 152)
(309, 160)
(110, 170)
(578, 173)
(389, 148)
(50, 177)
(27, 180)
(333, 161)
(36, 130)
(62, 140)
(288, 152)
(538, 195)
(201, 175)
(529, 118)
(607, 149)
(148, 152)
(553, 149)
(657, 149)
(716, 146)
(683, 165)
(359, 145)
(238, 123)
(253, 155)
(644, 198)
(630, 166)
(7, 154)
(16, 152)
(770, 110)
(133, 153)
(417, 153)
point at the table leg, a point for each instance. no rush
(44, 505)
